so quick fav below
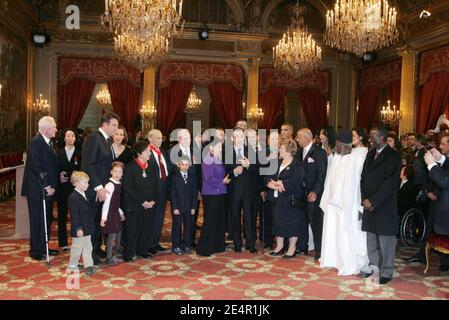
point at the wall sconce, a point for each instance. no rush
(328, 111)
(41, 106)
(255, 114)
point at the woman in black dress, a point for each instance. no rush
(122, 152)
(140, 189)
(69, 160)
(284, 186)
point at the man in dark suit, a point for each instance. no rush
(242, 191)
(379, 189)
(433, 193)
(315, 162)
(97, 156)
(197, 150)
(439, 222)
(160, 163)
(40, 179)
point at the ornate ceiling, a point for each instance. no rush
(270, 17)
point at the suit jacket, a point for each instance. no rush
(379, 184)
(82, 214)
(41, 168)
(441, 206)
(96, 158)
(315, 164)
(246, 183)
(137, 189)
(183, 195)
(292, 177)
(153, 163)
(66, 188)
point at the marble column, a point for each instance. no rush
(149, 86)
(407, 123)
(252, 98)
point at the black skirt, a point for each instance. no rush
(212, 238)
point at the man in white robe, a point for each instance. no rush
(343, 242)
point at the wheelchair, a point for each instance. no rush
(412, 226)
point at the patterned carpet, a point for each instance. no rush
(225, 276)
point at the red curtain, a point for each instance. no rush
(172, 101)
(227, 103)
(368, 107)
(125, 99)
(73, 99)
(271, 102)
(314, 107)
(433, 100)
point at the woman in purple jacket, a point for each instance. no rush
(212, 238)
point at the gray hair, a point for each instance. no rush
(46, 122)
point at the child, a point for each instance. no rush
(184, 202)
(112, 216)
(82, 223)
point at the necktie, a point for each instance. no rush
(110, 146)
(377, 154)
(239, 154)
(184, 175)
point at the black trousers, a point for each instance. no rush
(62, 220)
(194, 222)
(37, 227)
(181, 221)
(159, 214)
(267, 223)
(212, 238)
(96, 237)
(315, 219)
(248, 204)
(139, 226)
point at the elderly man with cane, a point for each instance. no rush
(39, 184)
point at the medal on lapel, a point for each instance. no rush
(75, 158)
(144, 174)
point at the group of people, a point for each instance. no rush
(344, 188)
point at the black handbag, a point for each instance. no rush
(298, 203)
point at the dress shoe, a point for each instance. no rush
(443, 268)
(53, 252)
(112, 261)
(299, 252)
(252, 249)
(65, 249)
(145, 255)
(152, 251)
(127, 259)
(37, 257)
(187, 250)
(90, 271)
(384, 280)
(317, 257)
(365, 274)
(268, 246)
(160, 248)
(415, 258)
(286, 256)
(177, 251)
(101, 253)
(237, 248)
(97, 261)
(279, 253)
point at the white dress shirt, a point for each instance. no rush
(82, 193)
(306, 150)
(69, 152)
(164, 163)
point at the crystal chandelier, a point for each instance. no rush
(255, 114)
(139, 52)
(360, 26)
(143, 18)
(142, 28)
(103, 98)
(390, 117)
(41, 105)
(194, 103)
(297, 53)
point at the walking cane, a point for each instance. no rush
(45, 226)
